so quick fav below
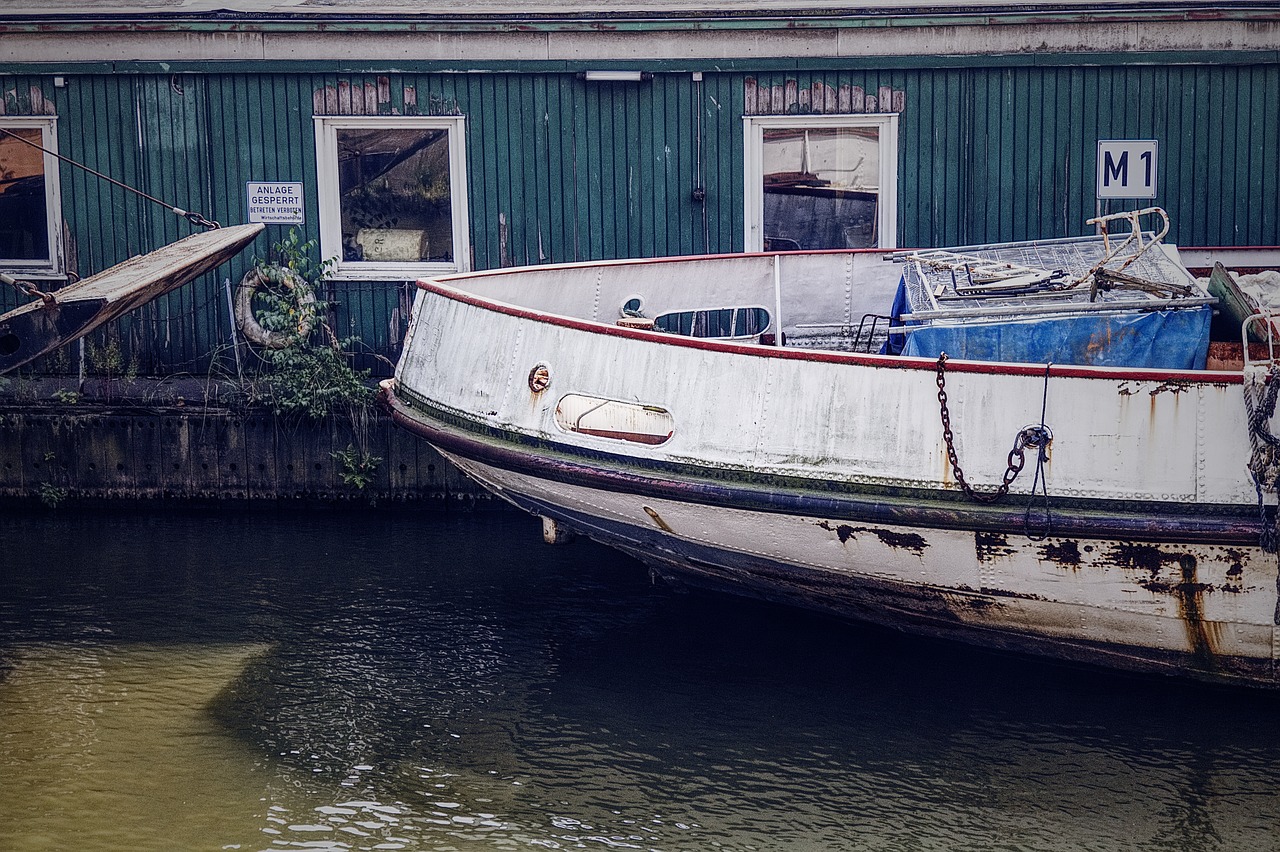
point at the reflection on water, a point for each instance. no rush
(398, 681)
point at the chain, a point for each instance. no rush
(1037, 437)
(26, 288)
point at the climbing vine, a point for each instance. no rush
(308, 372)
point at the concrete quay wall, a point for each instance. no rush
(53, 453)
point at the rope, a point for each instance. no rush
(192, 217)
(1042, 436)
(1261, 388)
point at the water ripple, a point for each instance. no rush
(394, 681)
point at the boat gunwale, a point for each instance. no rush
(443, 286)
(1074, 517)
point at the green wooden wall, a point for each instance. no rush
(561, 169)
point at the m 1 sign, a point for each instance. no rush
(1127, 168)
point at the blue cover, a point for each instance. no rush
(1169, 340)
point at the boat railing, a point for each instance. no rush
(865, 338)
(1133, 242)
(1268, 334)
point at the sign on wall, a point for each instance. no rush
(1127, 168)
(275, 203)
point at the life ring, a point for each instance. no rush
(248, 323)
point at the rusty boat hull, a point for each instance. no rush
(820, 478)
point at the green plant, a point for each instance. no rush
(356, 467)
(109, 362)
(66, 396)
(107, 359)
(311, 374)
(51, 495)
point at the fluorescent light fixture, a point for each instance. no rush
(616, 76)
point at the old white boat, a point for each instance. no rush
(56, 319)
(1099, 508)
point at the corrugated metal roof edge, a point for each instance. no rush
(661, 66)
(303, 20)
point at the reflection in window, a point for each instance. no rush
(821, 187)
(609, 418)
(24, 208)
(717, 322)
(394, 193)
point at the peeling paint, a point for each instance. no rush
(914, 542)
(989, 545)
(818, 98)
(1066, 553)
(1142, 557)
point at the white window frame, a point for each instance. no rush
(329, 200)
(54, 266)
(754, 127)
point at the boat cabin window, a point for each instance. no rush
(30, 215)
(821, 182)
(392, 195)
(611, 418)
(715, 323)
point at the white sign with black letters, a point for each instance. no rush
(1127, 168)
(275, 202)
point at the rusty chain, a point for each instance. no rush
(26, 288)
(1037, 437)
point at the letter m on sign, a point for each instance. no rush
(1127, 168)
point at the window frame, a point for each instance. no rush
(753, 171)
(329, 197)
(54, 267)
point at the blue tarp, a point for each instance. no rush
(1170, 340)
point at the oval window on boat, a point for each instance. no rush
(609, 418)
(723, 323)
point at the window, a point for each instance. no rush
(720, 323)
(392, 192)
(821, 182)
(30, 211)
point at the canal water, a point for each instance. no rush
(389, 680)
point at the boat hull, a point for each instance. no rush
(1187, 605)
(818, 475)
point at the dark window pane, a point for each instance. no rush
(718, 322)
(394, 194)
(821, 187)
(24, 212)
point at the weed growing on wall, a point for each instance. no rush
(305, 367)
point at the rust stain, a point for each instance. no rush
(657, 519)
(1203, 636)
(890, 538)
(1188, 590)
(1066, 553)
(989, 545)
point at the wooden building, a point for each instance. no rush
(411, 137)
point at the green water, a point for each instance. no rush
(386, 680)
